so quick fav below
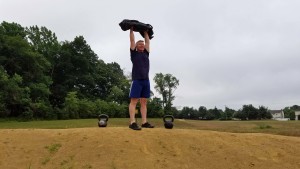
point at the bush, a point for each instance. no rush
(27, 115)
(52, 114)
(101, 107)
(40, 109)
(61, 114)
(71, 105)
(3, 111)
(86, 109)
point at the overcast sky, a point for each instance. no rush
(224, 52)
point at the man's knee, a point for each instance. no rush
(133, 101)
(143, 101)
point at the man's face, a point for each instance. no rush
(140, 46)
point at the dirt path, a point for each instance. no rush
(122, 148)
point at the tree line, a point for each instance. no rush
(247, 112)
(43, 78)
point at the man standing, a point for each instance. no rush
(140, 86)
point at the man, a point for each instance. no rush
(140, 86)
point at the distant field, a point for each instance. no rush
(288, 128)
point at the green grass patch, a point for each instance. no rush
(53, 148)
(51, 124)
(264, 126)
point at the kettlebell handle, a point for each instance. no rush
(168, 116)
(103, 116)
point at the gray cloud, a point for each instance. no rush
(223, 52)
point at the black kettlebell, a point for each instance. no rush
(103, 118)
(168, 120)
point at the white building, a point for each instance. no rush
(297, 114)
(278, 115)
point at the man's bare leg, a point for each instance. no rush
(145, 123)
(143, 102)
(132, 107)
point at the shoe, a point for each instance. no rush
(147, 125)
(134, 126)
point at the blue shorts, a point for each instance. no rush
(140, 89)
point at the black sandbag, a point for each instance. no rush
(137, 26)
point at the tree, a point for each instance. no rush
(228, 114)
(4, 81)
(295, 107)
(185, 112)
(263, 113)
(72, 105)
(12, 29)
(240, 115)
(75, 70)
(25, 68)
(154, 107)
(116, 95)
(45, 42)
(44, 78)
(15, 98)
(86, 108)
(250, 112)
(209, 115)
(117, 83)
(175, 112)
(289, 112)
(202, 112)
(189, 113)
(79, 69)
(166, 85)
(216, 113)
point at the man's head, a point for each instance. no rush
(140, 46)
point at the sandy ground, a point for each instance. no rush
(122, 148)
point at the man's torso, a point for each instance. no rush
(140, 64)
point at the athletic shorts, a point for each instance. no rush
(140, 89)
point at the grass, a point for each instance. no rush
(53, 148)
(263, 126)
(46, 160)
(288, 128)
(51, 124)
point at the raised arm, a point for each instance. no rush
(132, 40)
(147, 41)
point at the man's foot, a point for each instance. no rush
(147, 125)
(134, 126)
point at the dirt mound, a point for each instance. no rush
(122, 148)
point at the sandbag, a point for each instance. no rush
(137, 26)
